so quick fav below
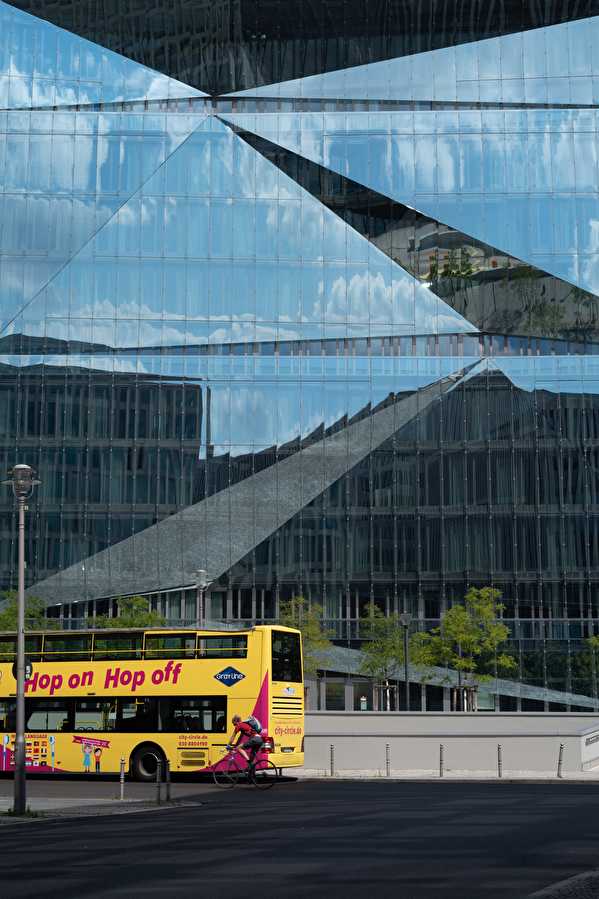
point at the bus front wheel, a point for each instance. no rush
(144, 762)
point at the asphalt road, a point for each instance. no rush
(472, 841)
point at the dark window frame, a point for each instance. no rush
(160, 713)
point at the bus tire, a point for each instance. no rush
(144, 762)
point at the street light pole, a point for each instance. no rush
(405, 620)
(201, 583)
(22, 480)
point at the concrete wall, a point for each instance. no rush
(529, 743)
(589, 748)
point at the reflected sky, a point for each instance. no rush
(152, 230)
(259, 250)
(60, 188)
(556, 64)
(526, 182)
(42, 65)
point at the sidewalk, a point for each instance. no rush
(449, 774)
(83, 798)
(48, 809)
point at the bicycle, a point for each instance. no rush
(234, 769)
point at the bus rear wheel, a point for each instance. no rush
(144, 762)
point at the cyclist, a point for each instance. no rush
(248, 742)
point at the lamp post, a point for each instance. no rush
(405, 620)
(22, 479)
(201, 576)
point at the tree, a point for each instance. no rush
(308, 618)
(593, 644)
(35, 613)
(383, 653)
(132, 611)
(468, 640)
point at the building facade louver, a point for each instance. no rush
(306, 294)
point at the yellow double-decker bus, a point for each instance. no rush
(96, 696)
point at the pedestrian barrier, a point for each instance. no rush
(168, 781)
(560, 759)
(159, 781)
(122, 779)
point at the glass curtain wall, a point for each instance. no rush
(335, 333)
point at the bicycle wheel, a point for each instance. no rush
(266, 775)
(228, 773)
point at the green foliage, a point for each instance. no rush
(383, 652)
(469, 639)
(593, 643)
(587, 663)
(133, 611)
(297, 612)
(35, 614)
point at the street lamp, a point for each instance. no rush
(22, 479)
(201, 576)
(405, 620)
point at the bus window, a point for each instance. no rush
(33, 648)
(170, 646)
(67, 647)
(95, 714)
(197, 714)
(8, 711)
(8, 648)
(117, 646)
(136, 715)
(286, 657)
(223, 647)
(48, 714)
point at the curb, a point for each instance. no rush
(129, 807)
(340, 778)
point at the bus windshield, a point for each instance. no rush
(286, 657)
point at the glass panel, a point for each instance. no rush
(48, 715)
(172, 646)
(117, 646)
(200, 714)
(286, 657)
(335, 696)
(95, 715)
(67, 647)
(61, 59)
(137, 715)
(8, 711)
(8, 649)
(222, 647)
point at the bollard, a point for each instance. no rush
(168, 781)
(560, 760)
(122, 778)
(499, 761)
(158, 781)
(332, 760)
(440, 759)
(388, 760)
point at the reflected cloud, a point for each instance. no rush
(116, 77)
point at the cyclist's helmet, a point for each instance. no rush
(236, 719)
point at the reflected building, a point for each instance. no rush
(306, 295)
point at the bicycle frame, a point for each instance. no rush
(235, 754)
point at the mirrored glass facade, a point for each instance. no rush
(336, 332)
